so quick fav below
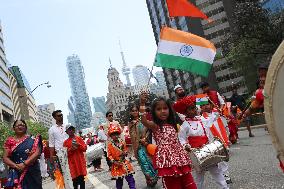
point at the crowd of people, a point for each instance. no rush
(160, 138)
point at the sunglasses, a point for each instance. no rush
(110, 115)
(60, 115)
(20, 125)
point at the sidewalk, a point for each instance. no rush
(50, 184)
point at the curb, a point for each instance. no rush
(253, 127)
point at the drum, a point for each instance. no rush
(209, 155)
(274, 100)
(94, 152)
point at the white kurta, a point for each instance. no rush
(191, 128)
(195, 128)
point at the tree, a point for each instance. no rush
(254, 37)
(36, 128)
(6, 131)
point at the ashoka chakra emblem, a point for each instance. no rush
(186, 50)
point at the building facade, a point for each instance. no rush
(222, 76)
(6, 102)
(273, 5)
(82, 113)
(158, 13)
(44, 113)
(118, 94)
(99, 104)
(15, 96)
(71, 111)
(28, 108)
(140, 75)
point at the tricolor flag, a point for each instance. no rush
(184, 51)
(201, 99)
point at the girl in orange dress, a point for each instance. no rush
(117, 152)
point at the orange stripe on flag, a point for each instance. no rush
(174, 35)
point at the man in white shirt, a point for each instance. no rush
(103, 138)
(56, 134)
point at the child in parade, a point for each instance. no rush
(193, 134)
(170, 159)
(117, 152)
(138, 135)
(219, 128)
(76, 159)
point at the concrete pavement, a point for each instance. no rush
(252, 165)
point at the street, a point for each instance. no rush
(253, 165)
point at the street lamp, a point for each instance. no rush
(46, 83)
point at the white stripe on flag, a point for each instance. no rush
(198, 53)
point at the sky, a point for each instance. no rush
(40, 34)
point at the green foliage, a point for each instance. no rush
(6, 131)
(36, 128)
(253, 39)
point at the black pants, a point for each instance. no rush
(97, 163)
(79, 181)
(107, 159)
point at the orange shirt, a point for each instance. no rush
(124, 167)
(76, 158)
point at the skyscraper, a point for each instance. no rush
(161, 79)
(99, 104)
(273, 5)
(141, 75)
(83, 113)
(71, 114)
(6, 104)
(158, 13)
(222, 76)
(125, 69)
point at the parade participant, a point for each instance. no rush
(56, 135)
(180, 94)
(193, 134)
(91, 141)
(117, 152)
(179, 91)
(213, 95)
(170, 159)
(237, 100)
(139, 143)
(76, 159)
(258, 100)
(218, 129)
(21, 153)
(103, 139)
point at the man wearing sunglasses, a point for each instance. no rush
(57, 135)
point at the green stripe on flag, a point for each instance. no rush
(182, 63)
(200, 103)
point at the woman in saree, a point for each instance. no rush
(139, 143)
(21, 153)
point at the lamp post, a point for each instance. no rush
(24, 101)
(46, 83)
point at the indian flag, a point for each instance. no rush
(201, 99)
(184, 51)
